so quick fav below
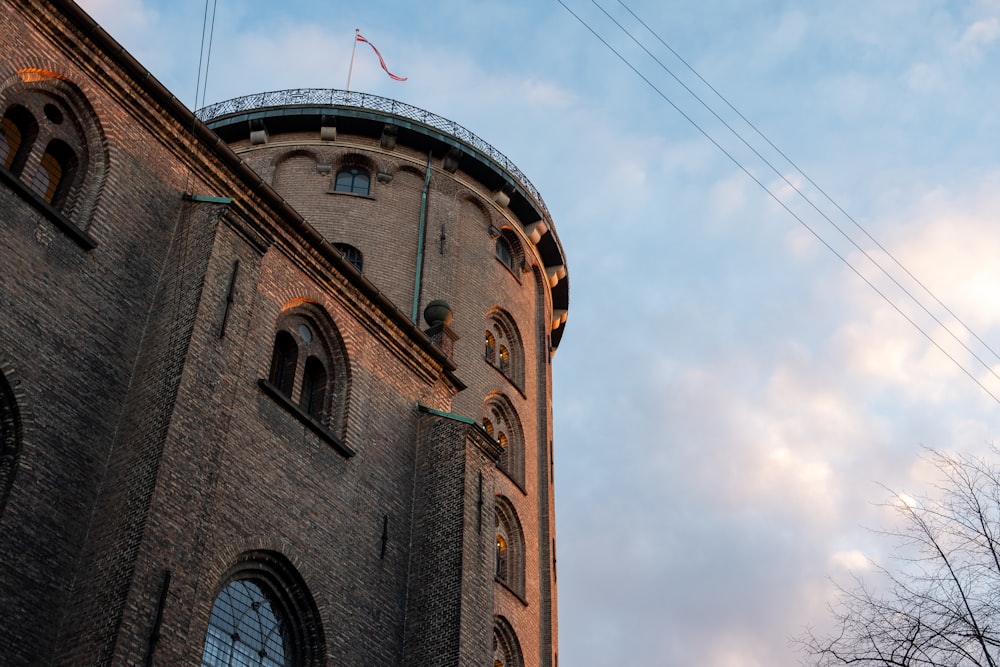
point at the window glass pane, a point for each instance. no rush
(244, 630)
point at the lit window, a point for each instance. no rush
(502, 439)
(246, 629)
(501, 572)
(491, 348)
(504, 365)
(488, 426)
(353, 180)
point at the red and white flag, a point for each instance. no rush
(381, 60)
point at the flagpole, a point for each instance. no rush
(350, 70)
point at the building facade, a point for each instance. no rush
(275, 378)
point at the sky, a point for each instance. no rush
(739, 383)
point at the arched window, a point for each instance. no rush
(504, 252)
(501, 422)
(264, 616)
(311, 398)
(309, 370)
(352, 179)
(351, 254)
(52, 141)
(18, 131)
(506, 648)
(283, 362)
(246, 628)
(491, 348)
(509, 546)
(509, 358)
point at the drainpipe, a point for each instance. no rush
(420, 239)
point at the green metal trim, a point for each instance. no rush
(209, 200)
(421, 231)
(447, 415)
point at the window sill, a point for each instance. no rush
(307, 420)
(513, 480)
(508, 378)
(76, 234)
(351, 194)
(510, 590)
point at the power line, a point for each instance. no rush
(794, 215)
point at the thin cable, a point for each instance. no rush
(809, 201)
(781, 203)
(208, 57)
(812, 182)
(201, 55)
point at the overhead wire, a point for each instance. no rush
(811, 182)
(783, 205)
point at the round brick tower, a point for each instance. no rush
(428, 213)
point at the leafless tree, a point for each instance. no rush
(940, 604)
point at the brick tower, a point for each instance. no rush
(275, 379)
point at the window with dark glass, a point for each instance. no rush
(283, 362)
(55, 173)
(312, 397)
(351, 254)
(354, 180)
(18, 131)
(246, 629)
(504, 253)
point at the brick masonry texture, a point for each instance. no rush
(142, 459)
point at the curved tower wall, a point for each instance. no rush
(429, 226)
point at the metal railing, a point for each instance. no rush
(335, 97)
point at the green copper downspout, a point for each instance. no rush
(420, 240)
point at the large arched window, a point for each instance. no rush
(354, 180)
(50, 138)
(309, 366)
(264, 616)
(246, 629)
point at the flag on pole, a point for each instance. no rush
(381, 60)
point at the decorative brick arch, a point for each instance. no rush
(72, 124)
(510, 546)
(282, 589)
(506, 647)
(501, 421)
(500, 325)
(309, 363)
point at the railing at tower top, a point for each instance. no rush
(335, 97)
